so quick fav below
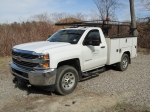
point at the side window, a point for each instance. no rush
(93, 34)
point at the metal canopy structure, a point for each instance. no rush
(94, 23)
(104, 24)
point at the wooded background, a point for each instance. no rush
(40, 27)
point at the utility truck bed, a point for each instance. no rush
(118, 44)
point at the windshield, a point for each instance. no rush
(70, 36)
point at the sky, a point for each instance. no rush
(21, 10)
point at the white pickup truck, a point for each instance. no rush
(68, 55)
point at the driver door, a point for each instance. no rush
(92, 55)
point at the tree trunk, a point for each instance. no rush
(133, 20)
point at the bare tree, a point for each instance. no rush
(44, 17)
(80, 16)
(107, 8)
(56, 17)
(146, 4)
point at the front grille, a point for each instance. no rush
(24, 55)
(20, 73)
(25, 64)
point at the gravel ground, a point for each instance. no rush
(110, 91)
(131, 86)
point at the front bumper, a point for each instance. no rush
(35, 77)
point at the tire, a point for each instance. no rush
(123, 65)
(66, 81)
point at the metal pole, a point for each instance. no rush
(133, 20)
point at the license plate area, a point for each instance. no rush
(23, 74)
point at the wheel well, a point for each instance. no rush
(74, 63)
(128, 53)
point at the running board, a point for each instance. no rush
(93, 72)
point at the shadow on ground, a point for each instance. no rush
(30, 89)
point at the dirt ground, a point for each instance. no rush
(79, 101)
(17, 98)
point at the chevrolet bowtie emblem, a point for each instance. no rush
(18, 58)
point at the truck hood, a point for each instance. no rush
(39, 47)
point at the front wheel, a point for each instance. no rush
(67, 79)
(123, 65)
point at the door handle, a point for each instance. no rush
(103, 47)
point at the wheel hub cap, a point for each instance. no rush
(68, 81)
(125, 62)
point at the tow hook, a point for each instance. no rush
(15, 80)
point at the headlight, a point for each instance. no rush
(44, 61)
(46, 57)
(45, 65)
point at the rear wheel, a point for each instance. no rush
(123, 65)
(67, 79)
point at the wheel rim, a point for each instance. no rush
(68, 81)
(125, 62)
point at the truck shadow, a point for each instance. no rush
(37, 90)
(111, 67)
(30, 89)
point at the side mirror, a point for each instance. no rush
(94, 42)
(87, 42)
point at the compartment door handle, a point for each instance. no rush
(103, 47)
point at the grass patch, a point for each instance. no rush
(123, 107)
(119, 106)
(4, 64)
(143, 51)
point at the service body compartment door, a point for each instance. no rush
(113, 50)
(134, 47)
(125, 42)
